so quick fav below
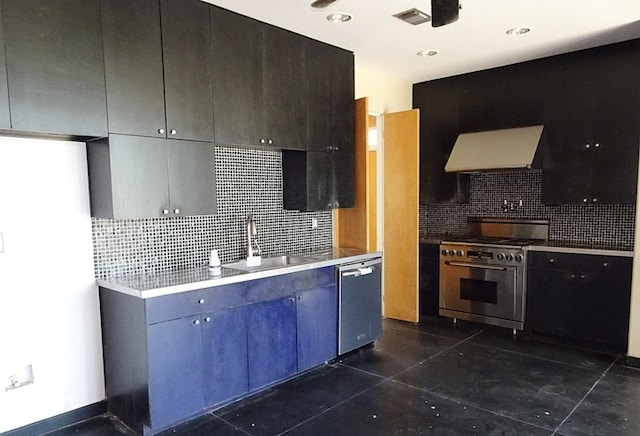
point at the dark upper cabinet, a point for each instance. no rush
(237, 77)
(502, 98)
(157, 53)
(5, 117)
(258, 80)
(439, 104)
(141, 177)
(330, 98)
(55, 67)
(592, 126)
(314, 181)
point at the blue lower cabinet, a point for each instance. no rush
(175, 368)
(271, 335)
(224, 344)
(317, 326)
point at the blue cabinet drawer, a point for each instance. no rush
(182, 304)
(287, 284)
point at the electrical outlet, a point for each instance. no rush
(314, 223)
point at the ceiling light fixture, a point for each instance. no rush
(427, 53)
(321, 4)
(413, 16)
(340, 17)
(518, 30)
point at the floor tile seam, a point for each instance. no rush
(467, 404)
(231, 424)
(584, 397)
(364, 371)
(332, 407)
(546, 359)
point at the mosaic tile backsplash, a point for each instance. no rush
(607, 224)
(247, 181)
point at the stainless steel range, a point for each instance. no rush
(483, 277)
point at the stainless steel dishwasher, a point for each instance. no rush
(360, 304)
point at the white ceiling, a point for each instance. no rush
(476, 41)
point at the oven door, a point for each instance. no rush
(487, 290)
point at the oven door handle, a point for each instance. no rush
(475, 265)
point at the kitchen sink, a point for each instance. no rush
(270, 263)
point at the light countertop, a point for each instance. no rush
(189, 279)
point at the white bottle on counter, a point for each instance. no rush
(214, 263)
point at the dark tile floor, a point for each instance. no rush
(436, 378)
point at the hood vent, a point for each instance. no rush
(493, 150)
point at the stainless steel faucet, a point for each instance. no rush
(252, 233)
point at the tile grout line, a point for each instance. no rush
(584, 397)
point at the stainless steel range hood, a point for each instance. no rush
(506, 149)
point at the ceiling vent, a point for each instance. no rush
(413, 16)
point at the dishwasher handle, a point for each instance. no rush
(360, 269)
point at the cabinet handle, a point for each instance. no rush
(596, 145)
(582, 276)
(207, 319)
(573, 276)
(270, 141)
(262, 141)
(552, 260)
(595, 200)
(329, 206)
(587, 146)
(336, 205)
(165, 211)
(585, 200)
(176, 211)
(201, 301)
(161, 131)
(605, 264)
(173, 131)
(196, 322)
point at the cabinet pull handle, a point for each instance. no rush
(196, 322)
(270, 141)
(262, 141)
(605, 264)
(552, 260)
(201, 301)
(582, 276)
(329, 206)
(207, 319)
(587, 146)
(173, 131)
(176, 211)
(596, 145)
(336, 205)
(161, 131)
(165, 211)
(573, 276)
(595, 200)
(584, 200)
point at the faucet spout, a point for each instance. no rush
(252, 233)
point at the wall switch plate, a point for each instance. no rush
(21, 377)
(314, 223)
(1, 243)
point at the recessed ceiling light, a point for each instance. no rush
(427, 53)
(339, 17)
(518, 30)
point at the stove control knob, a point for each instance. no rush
(452, 252)
(518, 257)
(459, 253)
(500, 256)
(443, 252)
(509, 257)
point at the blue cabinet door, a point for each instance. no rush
(271, 334)
(175, 370)
(224, 343)
(317, 322)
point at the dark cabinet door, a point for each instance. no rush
(284, 103)
(55, 67)
(438, 102)
(133, 64)
(567, 170)
(343, 167)
(224, 343)
(429, 278)
(343, 102)
(317, 326)
(139, 176)
(192, 185)
(271, 333)
(186, 51)
(175, 370)
(237, 44)
(550, 301)
(319, 95)
(5, 118)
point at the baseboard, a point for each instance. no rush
(633, 362)
(55, 422)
